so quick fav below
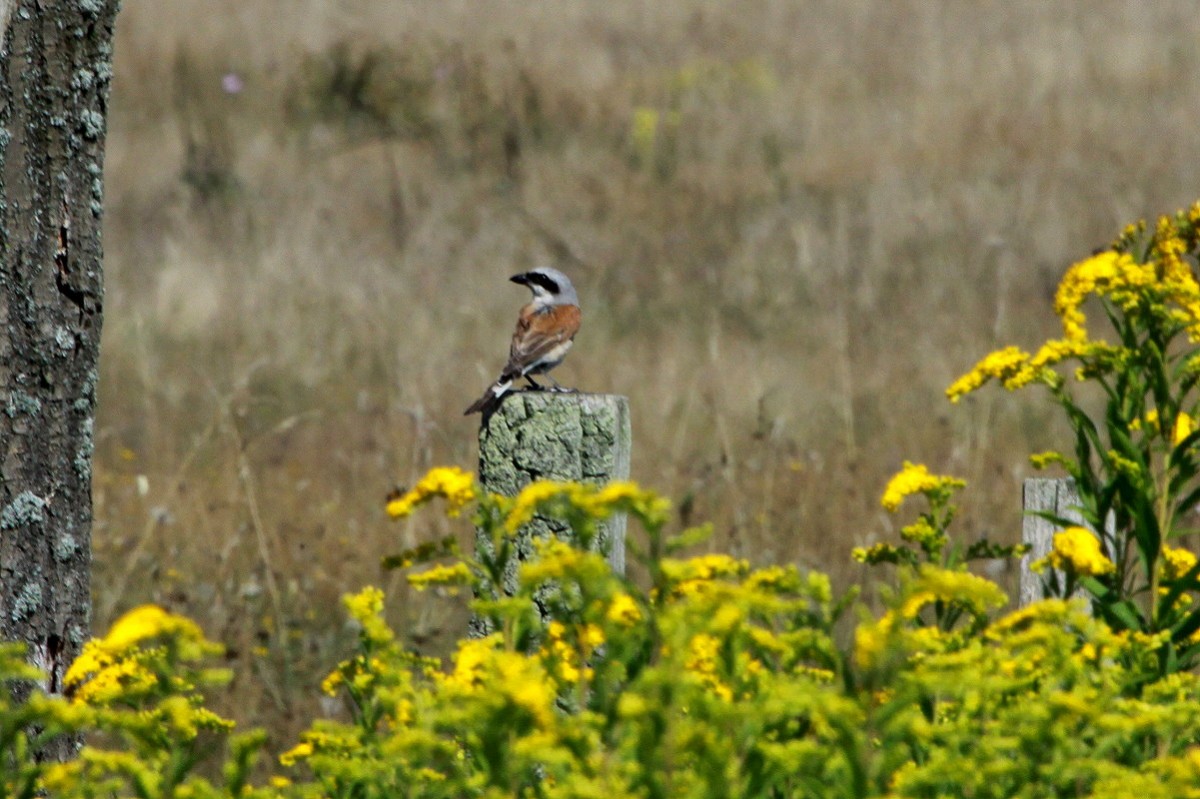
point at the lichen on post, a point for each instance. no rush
(556, 436)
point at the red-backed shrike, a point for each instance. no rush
(545, 329)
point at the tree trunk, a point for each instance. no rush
(55, 70)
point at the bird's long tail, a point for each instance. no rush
(491, 398)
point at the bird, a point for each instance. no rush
(546, 328)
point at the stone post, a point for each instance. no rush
(556, 436)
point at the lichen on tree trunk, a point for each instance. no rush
(55, 72)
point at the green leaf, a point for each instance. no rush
(689, 538)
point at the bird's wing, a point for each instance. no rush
(540, 332)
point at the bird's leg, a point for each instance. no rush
(534, 384)
(561, 389)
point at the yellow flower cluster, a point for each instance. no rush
(1177, 283)
(453, 576)
(110, 678)
(1177, 562)
(1109, 273)
(623, 610)
(1077, 551)
(922, 533)
(1185, 425)
(1042, 460)
(299, 752)
(366, 608)
(1162, 287)
(111, 667)
(944, 585)
(915, 478)
(147, 621)
(703, 650)
(562, 658)
(596, 503)
(970, 592)
(454, 484)
(873, 553)
(627, 495)
(485, 664)
(535, 496)
(694, 575)
(1165, 278)
(1010, 366)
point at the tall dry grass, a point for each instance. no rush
(792, 224)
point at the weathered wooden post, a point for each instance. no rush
(1044, 495)
(1056, 495)
(555, 436)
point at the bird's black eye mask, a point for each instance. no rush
(541, 281)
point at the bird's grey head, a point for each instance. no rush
(549, 286)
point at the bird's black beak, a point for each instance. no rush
(522, 278)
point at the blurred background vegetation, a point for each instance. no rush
(792, 225)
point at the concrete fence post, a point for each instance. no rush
(555, 436)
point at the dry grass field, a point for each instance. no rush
(792, 225)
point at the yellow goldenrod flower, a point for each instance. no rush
(366, 608)
(298, 752)
(110, 682)
(367, 602)
(137, 625)
(1107, 273)
(703, 649)
(704, 567)
(1184, 427)
(1177, 562)
(632, 705)
(555, 561)
(628, 495)
(1123, 465)
(708, 567)
(117, 665)
(623, 610)
(1011, 366)
(701, 663)
(924, 534)
(533, 497)
(523, 681)
(872, 553)
(871, 640)
(1077, 551)
(591, 636)
(1041, 460)
(455, 574)
(334, 681)
(452, 483)
(915, 479)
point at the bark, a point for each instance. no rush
(55, 70)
